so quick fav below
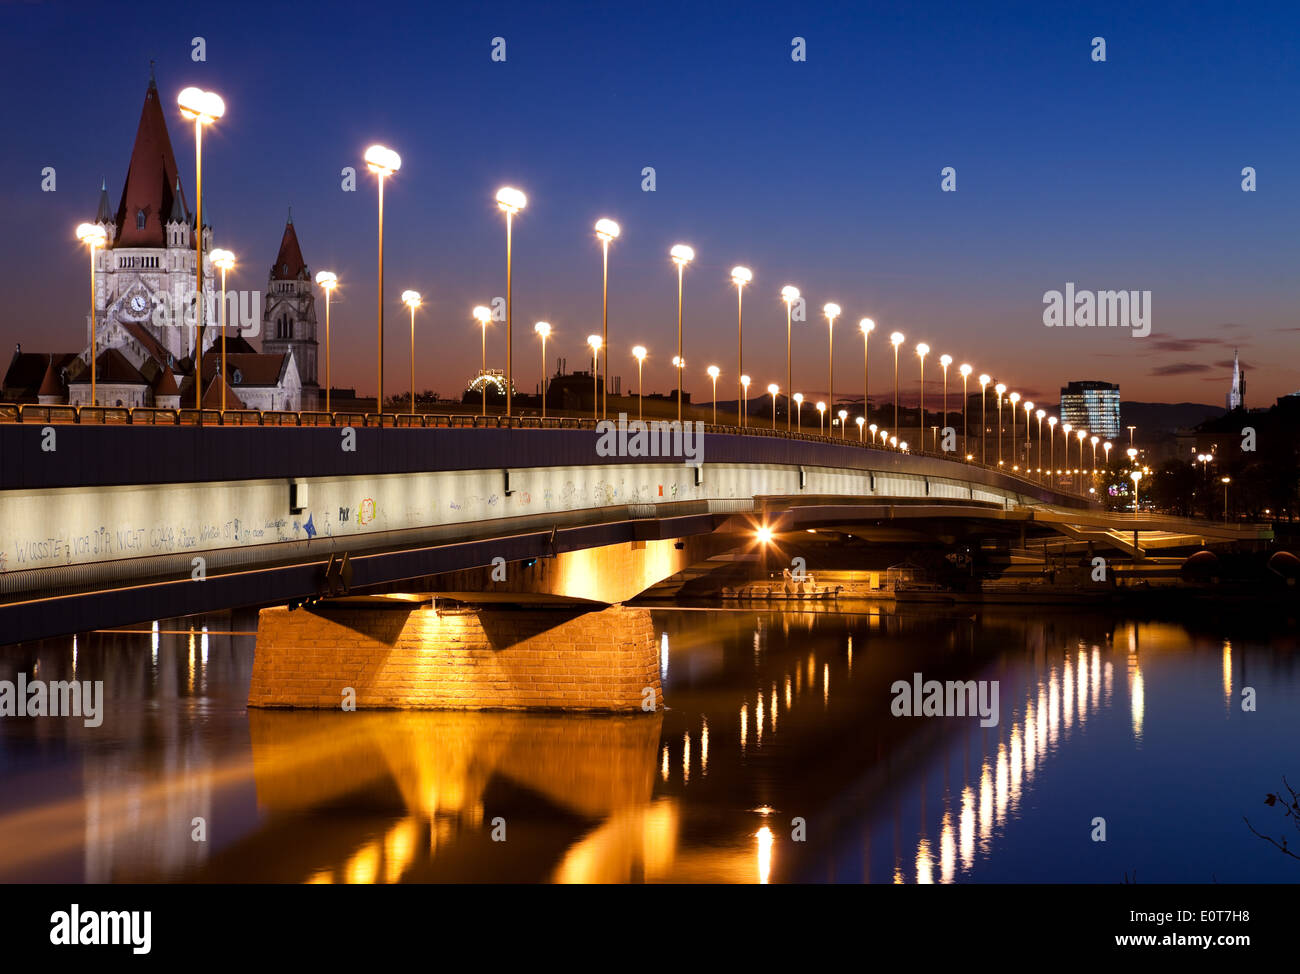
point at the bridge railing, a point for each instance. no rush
(152, 416)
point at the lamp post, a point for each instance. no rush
(1136, 476)
(772, 390)
(1132, 462)
(594, 342)
(483, 316)
(383, 162)
(1051, 436)
(744, 397)
(740, 276)
(1000, 388)
(1029, 445)
(821, 418)
(412, 300)
(327, 281)
(1015, 400)
(893, 441)
(606, 230)
(1130, 435)
(714, 372)
(789, 294)
(873, 429)
(965, 371)
(832, 311)
(203, 108)
(681, 255)
(543, 329)
(1106, 446)
(984, 417)
(922, 350)
(896, 339)
(94, 237)
(844, 415)
(798, 411)
(862, 422)
(223, 260)
(1082, 435)
(510, 201)
(945, 361)
(638, 353)
(1225, 481)
(1040, 414)
(866, 326)
(1094, 440)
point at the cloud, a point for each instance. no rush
(1180, 368)
(1226, 365)
(1184, 344)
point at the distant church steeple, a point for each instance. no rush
(1236, 398)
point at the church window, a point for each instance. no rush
(139, 219)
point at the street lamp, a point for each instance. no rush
(903, 446)
(772, 390)
(595, 343)
(862, 422)
(383, 162)
(798, 411)
(744, 396)
(412, 300)
(543, 329)
(94, 237)
(821, 418)
(893, 441)
(866, 326)
(638, 353)
(984, 418)
(483, 315)
(1106, 446)
(606, 230)
(896, 339)
(1082, 435)
(965, 371)
(1029, 408)
(681, 256)
(1015, 400)
(922, 350)
(843, 414)
(510, 201)
(789, 294)
(740, 276)
(1040, 414)
(224, 260)
(1225, 481)
(1051, 435)
(204, 108)
(873, 427)
(945, 361)
(1094, 440)
(327, 281)
(714, 372)
(832, 311)
(1000, 388)
(1137, 475)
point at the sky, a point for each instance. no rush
(823, 173)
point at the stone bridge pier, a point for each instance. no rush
(413, 653)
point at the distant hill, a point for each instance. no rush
(1152, 418)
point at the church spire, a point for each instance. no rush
(289, 265)
(152, 179)
(105, 213)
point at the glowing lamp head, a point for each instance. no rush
(1000, 388)
(1066, 427)
(866, 326)
(1106, 447)
(843, 414)
(798, 398)
(327, 280)
(511, 200)
(411, 299)
(821, 407)
(1052, 421)
(382, 160)
(594, 342)
(896, 339)
(638, 353)
(831, 310)
(965, 370)
(1225, 480)
(222, 259)
(682, 254)
(543, 328)
(1014, 397)
(873, 427)
(789, 294)
(91, 234)
(861, 422)
(714, 371)
(744, 381)
(893, 441)
(773, 389)
(678, 361)
(1132, 452)
(903, 446)
(922, 349)
(483, 315)
(945, 360)
(985, 379)
(1083, 435)
(1040, 414)
(606, 229)
(206, 106)
(1029, 406)
(1094, 440)
(764, 535)
(740, 276)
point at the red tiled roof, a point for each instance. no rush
(111, 366)
(166, 384)
(151, 179)
(249, 368)
(289, 265)
(50, 385)
(150, 344)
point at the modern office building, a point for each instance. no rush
(1093, 406)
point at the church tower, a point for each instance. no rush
(289, 313)
(1237, 396)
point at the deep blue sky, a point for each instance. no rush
(824, 174)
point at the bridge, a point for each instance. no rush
(110, 519)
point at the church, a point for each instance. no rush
(145, 341)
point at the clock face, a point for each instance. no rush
(138, 304)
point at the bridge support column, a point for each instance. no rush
(398, 655)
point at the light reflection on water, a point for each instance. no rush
(778, 760)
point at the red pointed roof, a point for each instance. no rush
(152, 180)
(289, 265)
(50, 385)
(166, 385)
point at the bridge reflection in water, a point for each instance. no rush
(771, 717)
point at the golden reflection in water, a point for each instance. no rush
(153, 642)
(1109, 674)
(1017, 753)
(1041, 735)
(1137, 695)
(986, 807)
(850, 654)
(704, 746)
(773, 707)
(789, 700)
(758, 720)
(967, 826)
(191, 677)
(744, 725)
(1067, 691)
(321, 877)
(898, 876)
(1053, 708)
(1001, 782)
(924, 863)
(947, 850)
(1096, 676)
(664, 770)
(686, 757)
(399, 848)
(637, 843)
(1227, 673)
(363, 866)
(1083, 685)
(1031, 729)
(826, 685)
(764, 836)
